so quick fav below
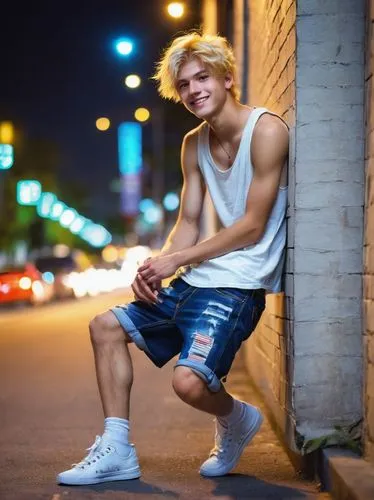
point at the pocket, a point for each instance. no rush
(237, 294)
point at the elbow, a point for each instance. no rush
(256, 235)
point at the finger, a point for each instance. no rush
(146, 274)
(153, 280)
(146, 289)
(143, 267)
(137, 293)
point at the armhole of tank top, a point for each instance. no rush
(265, 111)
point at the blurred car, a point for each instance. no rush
(23, 284)
(57, 270)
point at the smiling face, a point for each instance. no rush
(202, 92)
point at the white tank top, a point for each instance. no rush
(255, 266)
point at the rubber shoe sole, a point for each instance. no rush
(228, 466)
(101, 478)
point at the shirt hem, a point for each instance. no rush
(244, 286)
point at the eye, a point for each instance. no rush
(203, 77)
(182, 86)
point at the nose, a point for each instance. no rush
(194, 87)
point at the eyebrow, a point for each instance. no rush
(193, 76)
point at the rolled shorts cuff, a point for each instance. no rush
(202, 371)
(130, 328)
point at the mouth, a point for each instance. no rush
(199, 101)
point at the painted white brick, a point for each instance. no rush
(319, 261)
(332, 216)
(328, 6)
(343, 103)
(329, 128)
(326, 237)
(309, 402)
(318, 369)
(329, 74)
(329, 171)
(325, 149)
(330, 286)
(315, 308)
(329, 194)
(331, 28)
(327, 52)
(339, 338)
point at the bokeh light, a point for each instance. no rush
(102, 124)
(124, 47)
(176, 9)
(142, 114)
(132, 81)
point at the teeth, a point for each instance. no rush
(201, 99)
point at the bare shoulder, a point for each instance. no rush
(271, 127)
(189, 150)
(190, 139)
(270, 144)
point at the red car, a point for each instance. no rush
(23, 284)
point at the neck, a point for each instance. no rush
(229, 121)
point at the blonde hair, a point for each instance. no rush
(212, 50)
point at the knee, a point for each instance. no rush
(187, 385)
(102, 329)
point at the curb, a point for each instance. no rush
(346, 475)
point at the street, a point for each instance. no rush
(50, 413)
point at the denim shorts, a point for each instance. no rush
(205, 325)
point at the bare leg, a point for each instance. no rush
(193, 391)
(113, 364)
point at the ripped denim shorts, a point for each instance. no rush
(206, 326)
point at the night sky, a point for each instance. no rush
(60, 72)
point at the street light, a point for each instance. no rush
(132, 81)
(176, 9)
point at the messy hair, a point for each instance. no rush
(212, 50)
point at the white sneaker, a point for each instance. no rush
(104, 462)
(230, 442)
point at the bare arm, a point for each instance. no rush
(185, 232)
(269, 150)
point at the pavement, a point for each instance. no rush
(50, 413)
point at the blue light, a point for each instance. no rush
(130, 148)
(45, 204)
(28, 192)
(6, 156)
(124, 46)
(145, 204)
(171, 202)
(48, 277)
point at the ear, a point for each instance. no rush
(229, 81)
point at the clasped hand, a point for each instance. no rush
(150, 275)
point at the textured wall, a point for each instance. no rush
(271, 83)
(369, 241)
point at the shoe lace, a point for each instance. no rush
(95, 454)
(222, 439)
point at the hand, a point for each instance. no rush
(143, 291)
(156, 269)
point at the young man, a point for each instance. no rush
(239, 154)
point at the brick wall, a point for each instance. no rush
(369, 241)
(271, 83)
